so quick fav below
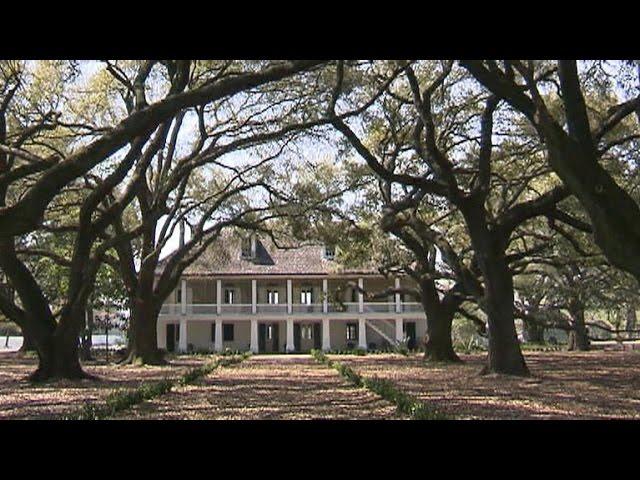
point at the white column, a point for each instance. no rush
(362, 334)
(218, 298)
(254, 296)
(254, 336)
(289, 296)
(290, 343)
(398, 304)
(326, 335)
(218, 343)
(399, 332)
(183, 295)
(182, 344)
(325, 295)
(361, 295)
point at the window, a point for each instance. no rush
(179, 295)
(352, 331)
(354, 295)
(229, 295)
(227, 332)
(213, 333)
(329, 252)
(272, 297)
(306, 296)
(307, 332)
(246, 248)
(269, 332)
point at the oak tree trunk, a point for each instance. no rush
(28, 344)
(505, 356)
(534, 333)
(143, 337)
(578, 338)
(438, 341)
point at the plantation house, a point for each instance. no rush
(246, 294)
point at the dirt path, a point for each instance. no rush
(294, 387)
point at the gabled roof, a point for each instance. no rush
(224, 258)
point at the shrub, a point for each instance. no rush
(384, 388)
(122, 399)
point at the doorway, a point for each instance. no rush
(317, 336)
(172, 336)
(410, 333)
(268, 338)
(297, 337)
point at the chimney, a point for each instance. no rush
(181, 233)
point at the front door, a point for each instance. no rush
(171, 337)
(317, 336)
(262, 337)
(276, 337)
(297, 337)
(410, 333)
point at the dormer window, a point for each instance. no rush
(329, 252)
(246, 247)
(249, 246)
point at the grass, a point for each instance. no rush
(404, 403)
(121, 400)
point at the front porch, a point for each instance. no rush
(290, 335)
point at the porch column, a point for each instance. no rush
(254, 336)
(398, 304)
(325, 296)
(361, 295)
(182, 343)
(183, 297)
(218, 297)
(399, 332)
(254, 296)
(362, 333)
(289, 296)
(217, 346)
(290, 343)
(326, 335)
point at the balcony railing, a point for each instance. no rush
(235, 309)
(371, 307)
(271, 308)
(280, 308)
(306, 308)
(412, 307)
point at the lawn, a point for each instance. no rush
(20, 399)
(564, 385)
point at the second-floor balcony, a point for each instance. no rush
(296, 309)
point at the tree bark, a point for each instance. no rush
(578, 338)
(534, 332)
(86, 341)
(631, 319)
(143, 336)
(505, 356)
(28, 344)
(438, 342)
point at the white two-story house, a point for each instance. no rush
(246, 294)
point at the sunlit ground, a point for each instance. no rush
(563, 385)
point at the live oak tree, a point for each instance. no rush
(225, 166)
(596, 122)
(40, 176)
(439, 143)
